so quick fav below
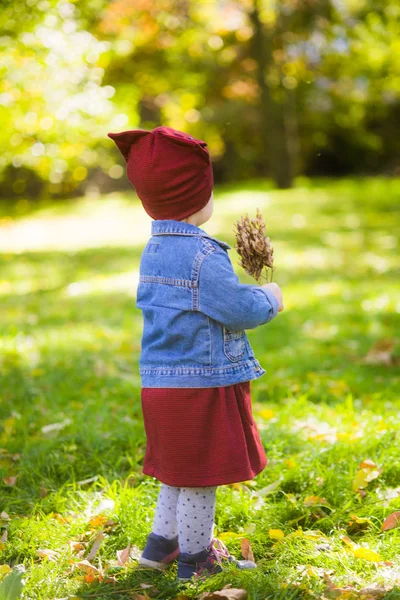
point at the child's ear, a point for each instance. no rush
(125, 139)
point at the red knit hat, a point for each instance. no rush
(170, 170)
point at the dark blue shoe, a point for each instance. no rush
(159, 552)
(208, 561)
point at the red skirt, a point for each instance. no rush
(201, 436)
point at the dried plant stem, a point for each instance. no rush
(254, 248)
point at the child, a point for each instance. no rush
(196, 362)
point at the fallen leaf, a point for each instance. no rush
(96, 545)
(313, 500)
(97, 521)
(391, 521)
(368, 471)
(380, 353)
(50, 554)
(227, 594)
(123, 555)
(4, 516)
(247, 551)
(12, 480)
(375, 591)
(367, 464)
(85, 565)
(5, 569)
(367, 554)
(77, 546)
(276, 534)
(357, 524)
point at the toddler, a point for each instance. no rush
(196, 363)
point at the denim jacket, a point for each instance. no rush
(195, 311)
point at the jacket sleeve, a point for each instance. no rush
(236, 305)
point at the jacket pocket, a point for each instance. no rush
(234, 344)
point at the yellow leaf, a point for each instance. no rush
(276, 534)
(363, 477)
(5, 569)
(367, 554)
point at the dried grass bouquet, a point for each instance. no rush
(253, 247)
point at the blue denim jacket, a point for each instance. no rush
(195, 311)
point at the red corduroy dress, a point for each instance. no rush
(201, 436)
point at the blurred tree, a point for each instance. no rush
(276, 88)
(53, 107)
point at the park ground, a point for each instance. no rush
(71, 434)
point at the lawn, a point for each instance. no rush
(71, 434)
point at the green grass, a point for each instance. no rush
(69, 349)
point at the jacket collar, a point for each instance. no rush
(169, 226)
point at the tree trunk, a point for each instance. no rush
(274, 132)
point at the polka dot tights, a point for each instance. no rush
(188, 513)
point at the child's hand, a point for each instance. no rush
(276, 290)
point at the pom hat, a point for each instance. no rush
(170, 170)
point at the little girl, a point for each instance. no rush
(196, 362)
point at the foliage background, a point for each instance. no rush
(275, 88)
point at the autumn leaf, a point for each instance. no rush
(381, 353)
(373, 590)
(123, 555)
(357, 524)
(50, 554)
(247, 551)
(5, 569)
(361, 551)
(367, 554)
(391, 521)
(276, 534)
(313, 500)
(98, 521)
(226, 594)
(368, 471)
(96, 545)
(367, 464)
(85, 565)
(11, 481)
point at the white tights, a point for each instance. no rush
(187, 513)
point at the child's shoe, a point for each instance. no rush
(208, 561)
(159, 552)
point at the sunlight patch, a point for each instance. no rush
(123, 282)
